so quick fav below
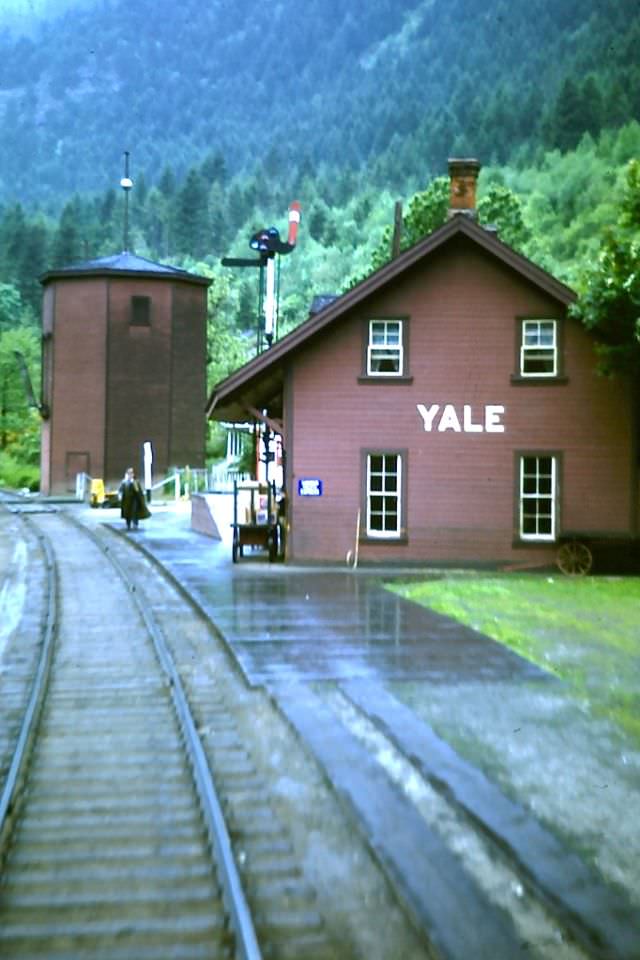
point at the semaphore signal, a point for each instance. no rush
(268, 244)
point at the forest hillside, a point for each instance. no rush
(231, 110)
(394, 85)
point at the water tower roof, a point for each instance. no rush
(125, 263)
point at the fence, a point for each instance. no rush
(84, 485)
(185, 480)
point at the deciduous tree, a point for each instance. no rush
(609, 301)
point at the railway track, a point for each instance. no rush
(451, 850)
(113, 839)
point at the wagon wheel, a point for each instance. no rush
(574, 558)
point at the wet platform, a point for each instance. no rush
(303, 624)
(288, 626)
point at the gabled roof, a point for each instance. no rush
(125, 263)
(261, 376)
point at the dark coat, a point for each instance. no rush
(133, 503)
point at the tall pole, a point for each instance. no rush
(397, 229)
(126, 183)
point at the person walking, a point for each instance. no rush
(133, 505)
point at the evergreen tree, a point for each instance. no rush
(567, 121)
(67, 242)
(192, 233)
(33, 262)
(12, 235)
(214, 168)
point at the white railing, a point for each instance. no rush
(222, 475)
(186, 480)
(174, 478)
(83, 486)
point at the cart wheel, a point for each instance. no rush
(574, 558)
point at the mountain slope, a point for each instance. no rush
(396, 85)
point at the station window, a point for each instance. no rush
(385, 349)
(384, 495)
(539, 348)
(538, 497)
(140, 312)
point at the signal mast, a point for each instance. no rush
(268, 244)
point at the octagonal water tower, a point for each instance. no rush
(124, 362)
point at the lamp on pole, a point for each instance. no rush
(126, 183)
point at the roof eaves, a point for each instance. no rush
(460, 223)
(123, 265)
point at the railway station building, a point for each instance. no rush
(446, 410)
(124, 363)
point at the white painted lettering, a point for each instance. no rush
(449, 419)
(469, 425)
(492, 414)
(428, 414)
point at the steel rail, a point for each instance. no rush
(247, 947)
(11, 788)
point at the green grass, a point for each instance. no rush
(584, 630)
(17, 475)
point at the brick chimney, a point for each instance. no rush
(463, 174)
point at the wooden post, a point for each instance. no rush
(397, 229)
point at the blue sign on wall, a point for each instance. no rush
(309, 487)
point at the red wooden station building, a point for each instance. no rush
(445, 410)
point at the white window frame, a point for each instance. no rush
(390, 493)
(538, 496)
(534, 349)
(382, 345)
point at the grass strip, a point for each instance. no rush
(584, 630)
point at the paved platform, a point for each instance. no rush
(300, 624)
(289, 625)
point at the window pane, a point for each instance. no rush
(539, 361)
(384, 361)
(537, 497)
(140, 312)
(538, 354)
(383, 494)
(384, 350)
(391, 520)
(547, 335)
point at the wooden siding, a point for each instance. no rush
(138, 376)
(188, 375)
(462, 303)
(78, 382)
